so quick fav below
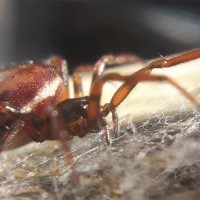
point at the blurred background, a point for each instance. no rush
(82, 31)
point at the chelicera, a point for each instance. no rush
(35, 103)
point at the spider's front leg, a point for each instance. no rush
(165, 63)
(144, 75)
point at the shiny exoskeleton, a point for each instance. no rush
(35, 103)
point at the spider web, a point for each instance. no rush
(154, 157)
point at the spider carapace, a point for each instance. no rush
(35, 103)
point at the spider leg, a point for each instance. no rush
(10, 129)
(76, 76)
(13, 137)
(115, 120)
(105, 109)
(106, 130)
(164, 63)
(99, 68)
(134, 79)
(61, 67)
(110, 59)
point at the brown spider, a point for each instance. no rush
(35, 103)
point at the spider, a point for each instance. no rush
(35, 103)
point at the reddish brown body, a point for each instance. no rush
(29, 87)
(26, 88)
(35, 105)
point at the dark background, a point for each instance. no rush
(82, 31)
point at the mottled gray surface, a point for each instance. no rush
(157, 158)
